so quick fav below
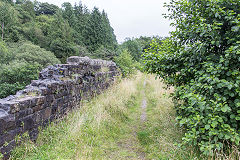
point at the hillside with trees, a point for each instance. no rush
(35, 35)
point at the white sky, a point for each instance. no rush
(130, 18)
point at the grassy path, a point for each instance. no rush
(134, 119)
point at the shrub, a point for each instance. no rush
(20, 63)
(16, 75)
(34, 54)
(201, 60)
(126, 63)
(82, 51)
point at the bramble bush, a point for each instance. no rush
(201, 60)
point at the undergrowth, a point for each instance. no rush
(110, 127)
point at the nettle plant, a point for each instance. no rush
(201, 60)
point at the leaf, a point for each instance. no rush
(225, 108)
(207, 127)
(227, 136)
(235, 28)
(214, 124)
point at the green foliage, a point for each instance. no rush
(126, 63)
(201, 60)
(9, 22)
(20, 64)
(16, 76)
(134, 47)
(26, 11)
(137, 46)
(82, 51)
(4, 54)
(99, 32)
(65, 31)
(30, 53)
(46, 8)
(59, 30)
(68, 14)
(62, 49)
(104, 53)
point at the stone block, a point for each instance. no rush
(49, 98)
(37, 108)
(9, 136)
(40, 100)
(27, 122)
(6, 149)
(23, 113)
(13, 106)
(7, 123)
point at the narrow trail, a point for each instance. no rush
(143, 117)
(144, 105)
(132, 145)
(133, 120)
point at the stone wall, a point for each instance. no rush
(59, 89)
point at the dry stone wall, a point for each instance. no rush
(60, 88)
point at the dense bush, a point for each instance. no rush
(201, 60)
(20, 63)
(16, 76)
(126, 63)
(31, 53)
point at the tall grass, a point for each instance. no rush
(161, 128)
(88, 132)
(110, 127)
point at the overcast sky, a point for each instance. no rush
(130, 18)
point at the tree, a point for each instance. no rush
(134, 47)
(68, 14)
(81, 28)
(8, 22)
(109, 39)
(46, 8)
(95, 31)
(201, 60)
(61, 35)
(31, 53)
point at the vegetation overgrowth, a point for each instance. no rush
(201, 60)
(109, 127)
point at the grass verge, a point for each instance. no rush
(90, 132)
(110, 127)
